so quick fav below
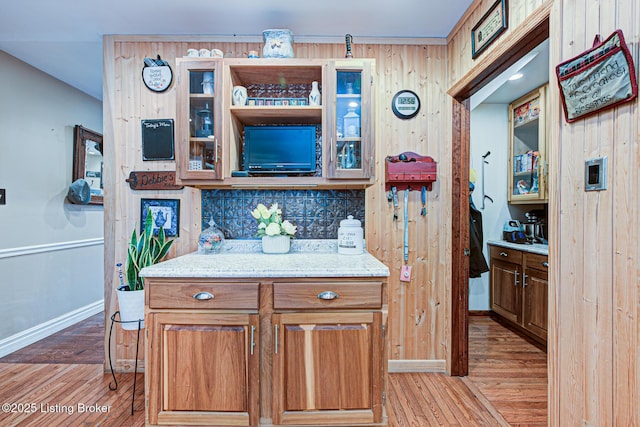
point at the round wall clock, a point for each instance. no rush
(405, 104)
(157, 75)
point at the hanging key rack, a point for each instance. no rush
(410, 171)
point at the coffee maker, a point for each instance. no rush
(533, 228)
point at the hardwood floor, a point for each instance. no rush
(509, 371)
(506, 385)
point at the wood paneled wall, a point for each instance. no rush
(417, 327)
(594, 254)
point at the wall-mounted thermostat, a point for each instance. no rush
(595, 174)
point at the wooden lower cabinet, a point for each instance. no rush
(519, 290)
(328, 368)
(203, 369)
(301, 352)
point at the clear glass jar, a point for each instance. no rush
(211, 239)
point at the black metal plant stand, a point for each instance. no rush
(135, 369)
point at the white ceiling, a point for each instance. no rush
(534, 67)
(64, 37)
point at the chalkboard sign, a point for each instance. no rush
(599, 78)
(157, 139)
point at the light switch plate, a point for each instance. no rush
(595, 174)
(3, 196)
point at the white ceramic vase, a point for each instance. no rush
(131, 304)
(314, 95)
(276, 244)
(239, 95)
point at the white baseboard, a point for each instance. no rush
(399, 366)
(22, 339)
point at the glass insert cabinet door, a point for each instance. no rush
(199, 119)
(527, 148)
(350, 120)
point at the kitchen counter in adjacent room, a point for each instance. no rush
(535, 248)
(243, 321)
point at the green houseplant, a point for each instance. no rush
(143, 250)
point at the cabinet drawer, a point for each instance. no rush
(243, 296)
(322, 295)
(506, 254)
(537, 261)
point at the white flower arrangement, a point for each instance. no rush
(270, 221)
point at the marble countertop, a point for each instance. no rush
(536, 248)
(244, 259)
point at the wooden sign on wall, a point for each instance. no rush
(149, 180)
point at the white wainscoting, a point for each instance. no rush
(43, 330)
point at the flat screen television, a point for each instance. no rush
(279, 149)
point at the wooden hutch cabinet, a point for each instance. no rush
(349, 119)
(199, 120)
(210, 128)
(519, 290)
(527, 179)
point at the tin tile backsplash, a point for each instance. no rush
(317, 213)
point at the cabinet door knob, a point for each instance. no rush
(503, 254)
(545, 264)
(328, 295)
(203, 296)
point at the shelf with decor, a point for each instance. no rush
(276, 94)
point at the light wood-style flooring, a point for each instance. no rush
(60, 381)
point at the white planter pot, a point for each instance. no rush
(131, 305)
(276, 244)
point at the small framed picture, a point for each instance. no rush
(489, 27)
(165, 214)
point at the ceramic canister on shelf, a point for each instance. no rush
(278, 43)
(350, 237)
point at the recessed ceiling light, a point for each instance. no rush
(516, 76)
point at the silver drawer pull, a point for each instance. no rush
(545, 264)
(328, 295)
(503, 254)
(203, 296)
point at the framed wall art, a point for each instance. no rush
(165, 213)
(491, 25)
(597, 79)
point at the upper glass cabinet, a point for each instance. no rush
(350, 119)
(527, 148)
(199, 120)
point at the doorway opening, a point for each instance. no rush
(518, 46)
